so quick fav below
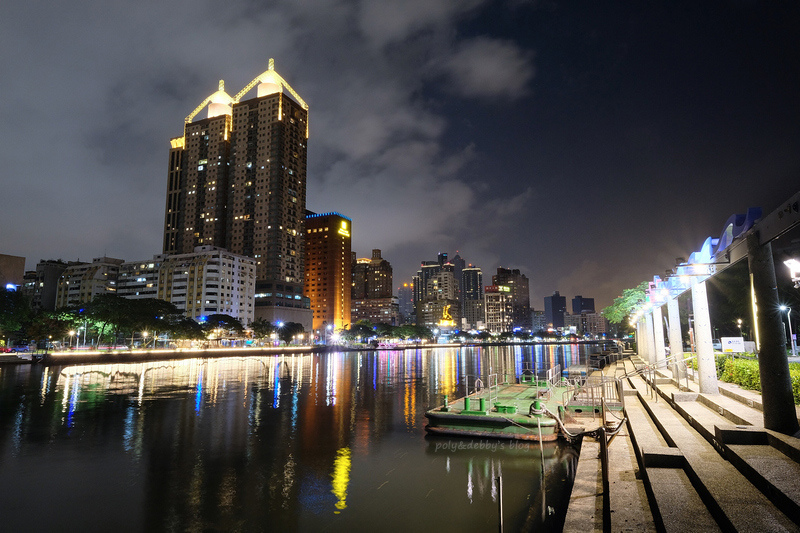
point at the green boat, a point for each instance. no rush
(528, 409)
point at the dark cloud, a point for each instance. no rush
(587, 146)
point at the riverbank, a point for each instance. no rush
(687, 461)
(137, 355)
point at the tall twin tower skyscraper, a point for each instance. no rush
(237, 180)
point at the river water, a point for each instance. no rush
(315, 442)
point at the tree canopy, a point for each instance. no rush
(619, 311)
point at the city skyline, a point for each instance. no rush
(585, 147)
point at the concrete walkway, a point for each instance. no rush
(689, 462)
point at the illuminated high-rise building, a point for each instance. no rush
(519, 293)
(472, 301)
(237, 180)
(328, 275)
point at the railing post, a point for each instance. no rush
(604, 467)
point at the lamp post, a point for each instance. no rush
(144, 339)
(71, 334)
(328, 329)
(791, 335)
(794, 269)
(739, 323)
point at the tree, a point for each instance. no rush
(386, 331)
(287, 332)
(619, 311)
(182, 327)
(110, 311)
(360, 331)
(222, 322)
(46, 325)
(262, 328)
(484, 335)
(15, 312)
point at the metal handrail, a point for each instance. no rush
(595, 390)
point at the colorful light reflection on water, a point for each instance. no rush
(303, 442)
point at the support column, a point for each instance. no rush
(658, 337)
(706, 366)
(773, 364)
(675, 338)
(651, 345)
(641, 339)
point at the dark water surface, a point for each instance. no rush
(326, 442)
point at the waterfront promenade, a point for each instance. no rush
(687, 461)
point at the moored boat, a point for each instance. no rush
(531, 409)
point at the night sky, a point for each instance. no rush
(588, 144)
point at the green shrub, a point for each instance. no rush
(794, 374)
(743, 371)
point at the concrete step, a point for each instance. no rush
(731, 499)
(770, 460)
(680, 506)
(675, 504)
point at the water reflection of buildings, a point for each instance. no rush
(249, 439)
(202, 424)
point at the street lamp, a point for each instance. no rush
(791, 335)
(144, 341)
(71, 334)
(794, 268)
(739, 323)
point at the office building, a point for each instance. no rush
(436, 304)
(472, 301)
(237, 180)
(376, 311)
(539, 323)
(372, 277)
(554, 308)
(499, 308)
(582, 305)
(405, 295)
(41, 285)
(208, 281)
(328, 277)
(372, 298)
(79, 283)
(12, 271)
(519, 293)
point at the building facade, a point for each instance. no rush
(376, 311)
(372, 298)
(237, 180)
(12, 271)
(79, 283)
(41, 285)
(582, 305)
(208, 281)
(372, 278)
(519, 291)
(472, 301)
(554, 308)
(499, 308)
(405, 295)
(328, 276)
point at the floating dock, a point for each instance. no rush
(528, 409)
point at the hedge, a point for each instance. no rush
(744, 372)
